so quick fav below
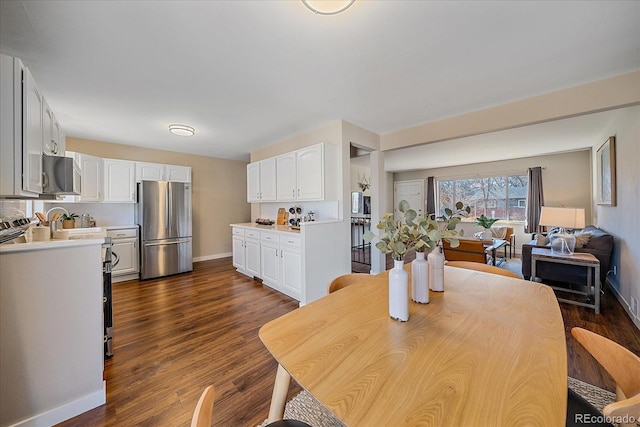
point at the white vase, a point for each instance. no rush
(398, 292)
(436, 270)
(487, 235)
(419, 279)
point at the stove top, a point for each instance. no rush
(12, 228)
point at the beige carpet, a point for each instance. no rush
(305, 408)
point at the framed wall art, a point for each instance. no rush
(606, 164)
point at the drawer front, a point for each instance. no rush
(290, 241)
(255, 234)
(269, 237)
(123, 233)
(237, 231)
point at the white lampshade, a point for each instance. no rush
(562, 217)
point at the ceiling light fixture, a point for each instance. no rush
(327, 7)
(182, 130)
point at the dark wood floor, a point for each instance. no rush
(174, 336)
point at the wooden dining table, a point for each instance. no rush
(490, 350)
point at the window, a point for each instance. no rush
(502, 197)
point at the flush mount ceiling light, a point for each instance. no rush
(327, 7)
(182, 130)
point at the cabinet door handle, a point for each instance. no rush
(293, 192)
(298, 192)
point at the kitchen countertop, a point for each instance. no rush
(47, 245)
(274, 227)
(119, 227)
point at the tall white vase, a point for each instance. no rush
(419, 279)
(398, 292)
(436, 270)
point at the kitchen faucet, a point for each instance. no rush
(54, 224)
(46, 215)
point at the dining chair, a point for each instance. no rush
(344, 281)
(204, 409)
(624, 368)
(482, 267)
(467, 250)
(203, 413)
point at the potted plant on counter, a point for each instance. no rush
(69, 220)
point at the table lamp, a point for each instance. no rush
(571, 218)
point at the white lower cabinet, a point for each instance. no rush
(273, 256)
(246, 251)
(282, 263)
(291, 266)
(125, 248)
(270, 258)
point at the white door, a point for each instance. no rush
(127, 251)
(48, 143)
(412, 192)
(120, 181)
(269, 263)
(268, 180)
(310, 173)
(149, 172)
(178, 173)
(253, 182)
(238, 252)
(291, 267)
(286, 177)
(33, 133)
(252, 257)
(91, 183)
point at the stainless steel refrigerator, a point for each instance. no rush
(164, 215)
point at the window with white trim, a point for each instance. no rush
(502, 196)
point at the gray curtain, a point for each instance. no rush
(535, 200)
(431, 197)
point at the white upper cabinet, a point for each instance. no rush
(159, 172)
(261, 181)
(32, 107)
(119, 181)
(297, 175)
(268, 180)
(92, 178)
(253, 182)
(310, 175)
(149, 172)
(177, 173)
(286, 177)
(53, 141)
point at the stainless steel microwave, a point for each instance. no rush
(61, 175)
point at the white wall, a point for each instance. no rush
(622, 220)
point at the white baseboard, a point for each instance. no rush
(214, 256)
(624, 304)
(67, 411)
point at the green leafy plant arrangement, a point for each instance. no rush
(399, 236)
(69, 217)
(485, 222)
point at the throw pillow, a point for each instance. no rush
(582, 238)
(541, 240)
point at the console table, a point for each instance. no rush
(587, 260)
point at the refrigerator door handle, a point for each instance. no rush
(170, 191)
(167, 224)
(172, 242)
